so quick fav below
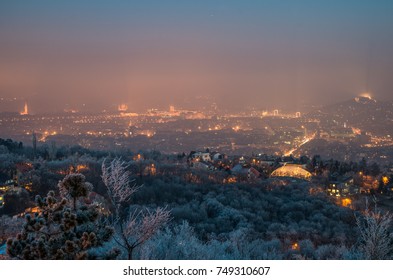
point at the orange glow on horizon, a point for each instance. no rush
(366, 95)
(122, 107)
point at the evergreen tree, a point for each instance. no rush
(65, 228)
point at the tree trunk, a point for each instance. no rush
(130, 253)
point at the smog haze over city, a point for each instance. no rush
(152, 54)
(207, 130)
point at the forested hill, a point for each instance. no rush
(211, 215)
(269, 223)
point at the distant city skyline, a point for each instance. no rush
(263, 54)
(23, 107)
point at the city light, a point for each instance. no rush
(200, 130)
(295, 246)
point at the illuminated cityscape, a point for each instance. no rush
(196, 130)
(357, 128)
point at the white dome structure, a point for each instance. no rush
(293, 171)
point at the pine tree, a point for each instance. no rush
(65, 228)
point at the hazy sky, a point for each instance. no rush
(154, 53)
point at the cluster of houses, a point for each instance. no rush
(251, 168)
(216, 161)
(4, 188)
(264, 166)
(19, 181)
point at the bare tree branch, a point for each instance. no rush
(138, 226)
(117, 180)
(375, 235)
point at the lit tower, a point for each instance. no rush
(25, 110)
(122, 107)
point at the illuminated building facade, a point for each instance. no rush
(293, 171)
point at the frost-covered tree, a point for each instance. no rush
(9, 227)
(65, 228)
(136, 227)
(376, 239)
(180, 242)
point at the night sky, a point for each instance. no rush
(156, 53)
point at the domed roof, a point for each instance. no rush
(292, 170)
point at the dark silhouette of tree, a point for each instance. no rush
(374, 169)
(363, 166)
(64, 228)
